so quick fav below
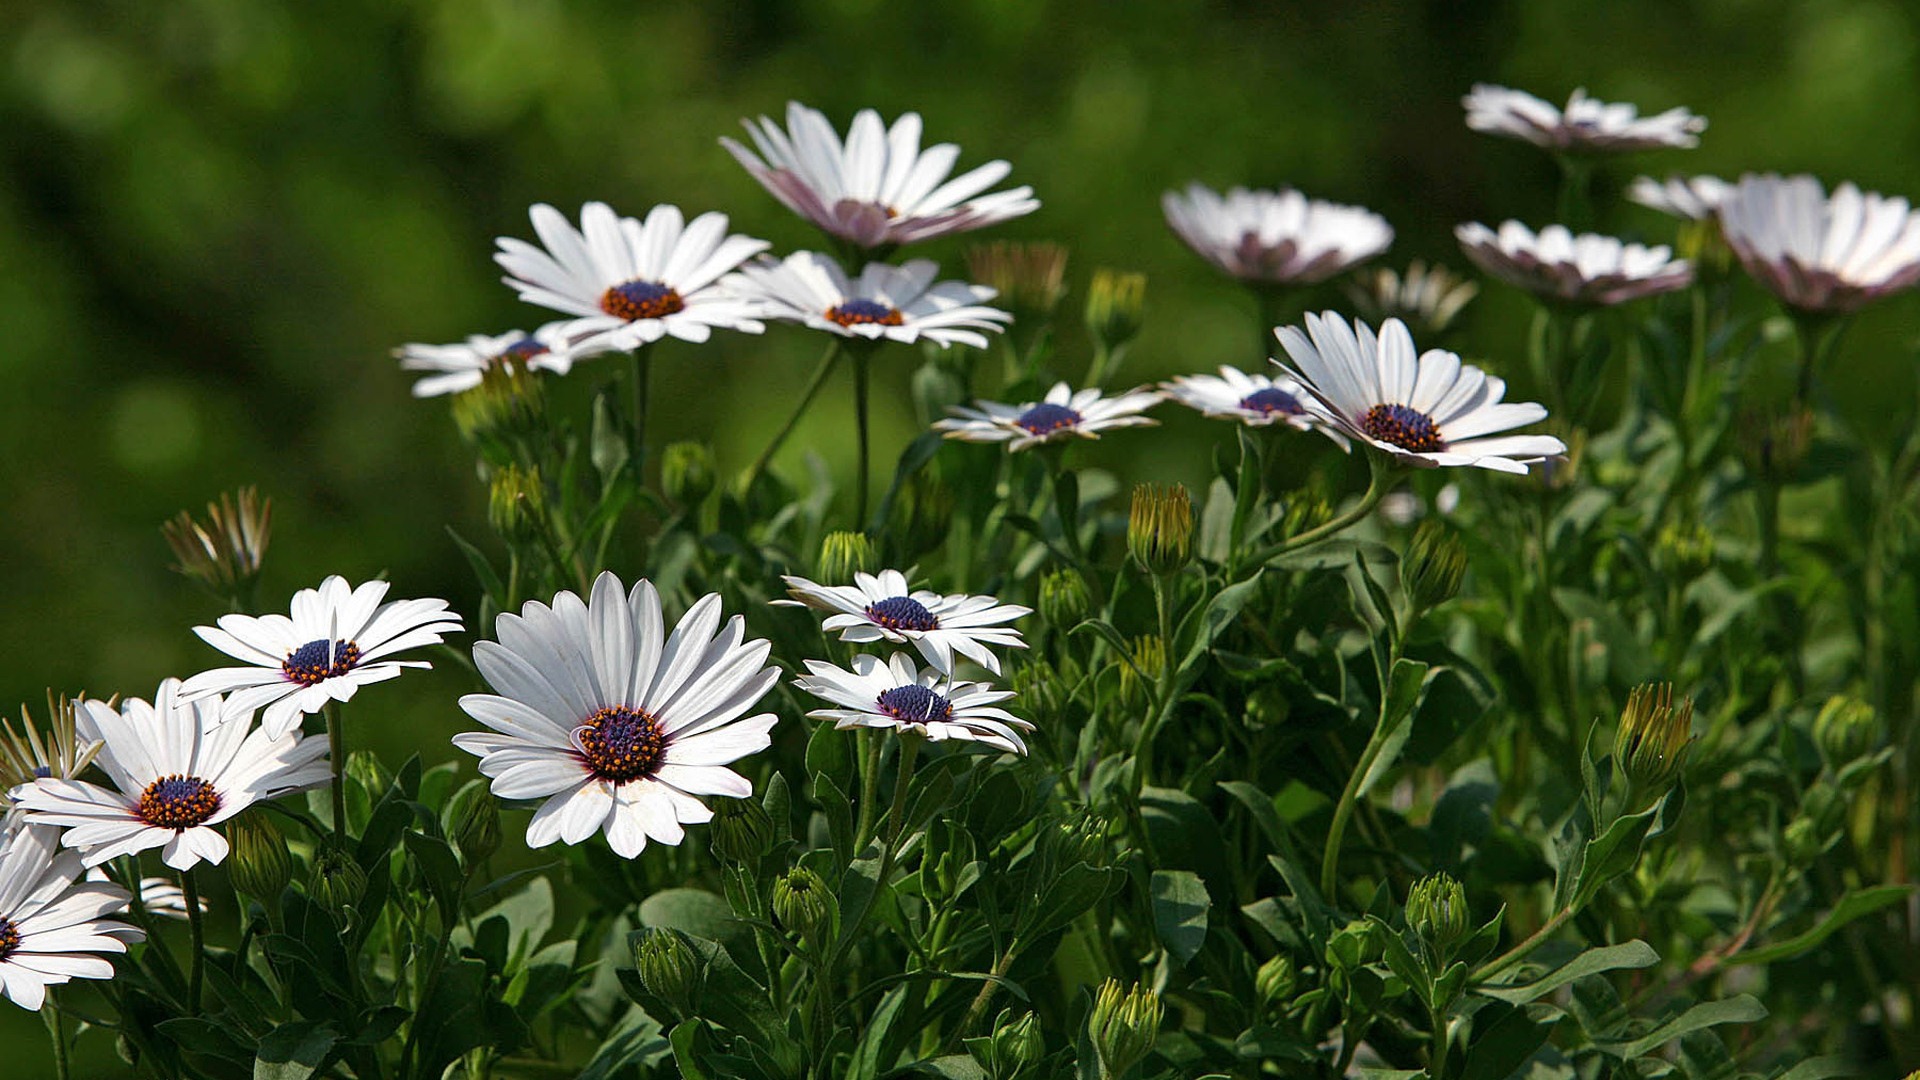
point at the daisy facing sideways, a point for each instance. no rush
(898, 303)
(1254, 400)
(879, 188)
(625, 283)
(1277, 236)
(1426, 410)
(1584, 126)
(880, 607)
(619, 726)
(1820, 252)
(337, 639)
(53, 925)
(1065, 413)
(1584, 269)
(177, 771)
(459, 367)
(896, 695)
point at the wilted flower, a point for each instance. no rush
(1584, 126)
(670, 969)
(879, 189)
(1064, 414)
(1426, 297)
(1654, 735)
(1437, 911)
(1275, 236)
(687, 474)
(880, 607)
(896, 303)
(1160, 528)
(1116, 302)
(895, 695)
(1821, 253)
(1426, 410)
(1584, 269)
(1029, 275)
(626, 283)
(1435, 563)
(802, 903)
(1123, 1025)
(224, 552)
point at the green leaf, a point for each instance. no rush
(691, 1045)
(952, 1067)
(293, 1051)
(1739, 1010)
(1821, 1068)
(442, 871)
(1220, 613)
(1630, 955)
(608, 444)
(1404, 686)
(1505, 1037)
(695, 911)
(1853, 905)
(870, 1056)
(1105, 631)
(635, 1041)
(1180, 905)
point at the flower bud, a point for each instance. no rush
(1123, 1026)
(802, 904)
(1654, 735)
(742, 832)
(842, 554)
(261, 865)
(1014, 1045)
(1064, 599)
(1275, 981)
(1028, 276)
(1115, 301)
(223, 553)
(1802, 842)
(516, 503)
(921, 514)
(1160, 528)
(687, 474)
(1077, 840)
(337, 880)
(1435, 563)
(1772, 444)
(1149, 659)
(670, 969)
(508, 403)
(1267, 705)
(1437, 911)
(1306, 510)
(472, 821)
(1845, 730)
(1685, 551)
(366, 767)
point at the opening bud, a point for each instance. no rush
(1160, 528)
(843, 554)
(687, 474)
(1123, 1025)
(1654, 734)
(1437, 911)
(27, 753)
(261, 865)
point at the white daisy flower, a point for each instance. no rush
(177, 771)
(460, 367)
(1427, 410)
(1818, 252)
(337, 640)
(160, 896)
(898, 303)
(629, 284)
(1279, 236)
(1695, 198)
(1065, 413)
(880, 188)
(53, 925)
(1254, 400)
(1586, 269)
(616, 724)
(880, 607)
(895, 694)
(1584, 126)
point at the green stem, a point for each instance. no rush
(196, 933)
(1437, 1055)
(1520, 952)
(872, 744)
(979, 1007)
(1066, 504)
(1350, 795)
(1382, 475)
(814, 382)
(860, 381)
(640, 371)
(1163, 692)
(337, 751)
(57, 1029)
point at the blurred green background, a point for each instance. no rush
(218, 216)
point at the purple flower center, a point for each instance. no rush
(621, 743)
(320, 659)
(636, 300)
(9, 938)
(522, 351)
(1404, 427)
(1271, 400)
(856, 312)
(1047, 418)
(915, 704)
(178, 802)
(902, 613)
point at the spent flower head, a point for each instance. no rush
(223, 552)
(61, 751)
(1029, 275)
(1427, 297)
(1655, 732)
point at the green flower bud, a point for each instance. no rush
(1064, 598)
(1149, 659)
(1686, 551)
(802, 904)
(1437, 911)
(1029, 276)
(1654, 736)
(1016, 1043)
(670, 969)
(1846, 729)
(1275, 982)
(1306, 510)
(1123, 1026)
(1115, 302)
(471, 821)
(337, 880)
(1160, 528)
(742, 832)
(225, 552)
(366, 767)
(261, 866)
(1267, 705)
(921, 514)
(516, 503)
(1435, 563)
(509, 403)
(1802, 842)
(1081, 839)
(687, 474)
(842, 554)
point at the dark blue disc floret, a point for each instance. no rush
(1405, 427)
(915, 704)
(621, 743)
(859, 311)
(1047, 418)
(320, 659)
(902, 613)
(635, 300)
(1272, 400)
